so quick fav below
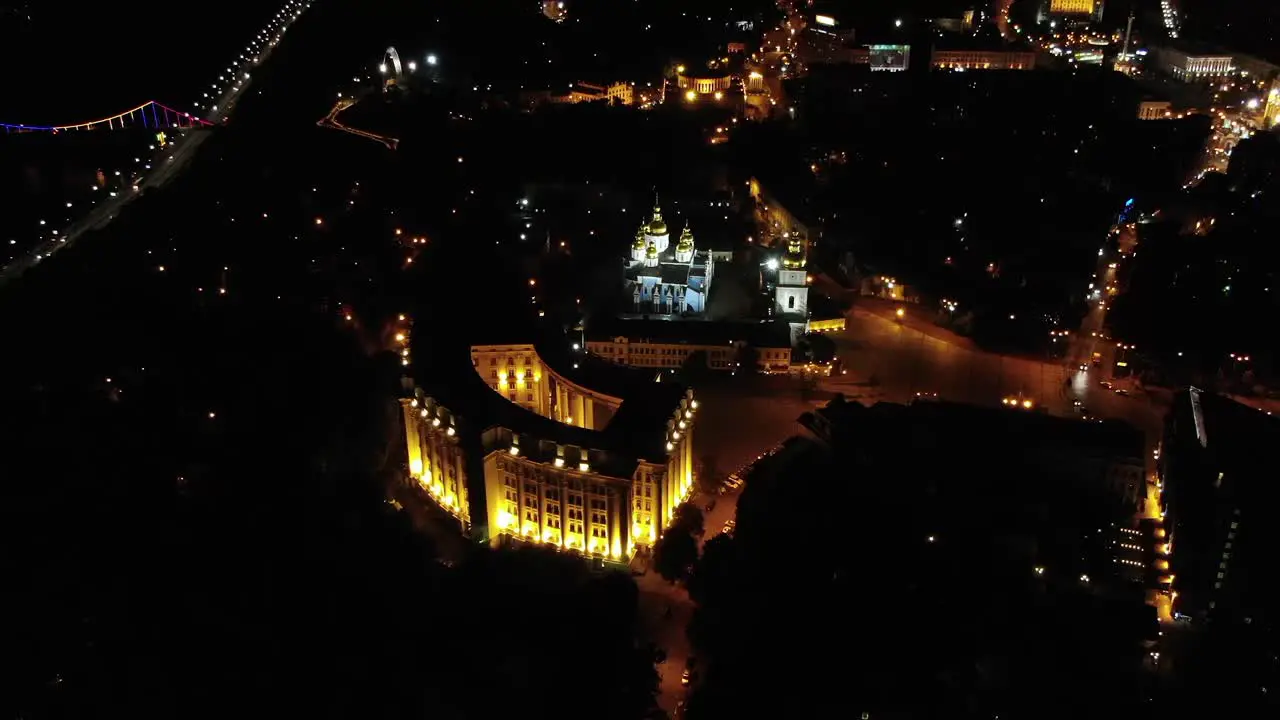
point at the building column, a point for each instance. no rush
(413, 442)
(615, 539)
(588, 413)
(688, 451)
(686, 458)
(542, 512)
(431, 456)
(564, 512)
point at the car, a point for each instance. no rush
(1106, 384)
(728, 527)
(1122, 392)
(1083, 367)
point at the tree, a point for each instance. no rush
(688, 517)
(675, 552)
(747, 359)
(709, 474)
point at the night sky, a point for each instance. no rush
(79, 61)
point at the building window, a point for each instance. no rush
(791, 302)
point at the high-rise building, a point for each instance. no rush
(1219, 487)
(1193, 64)
(1073, 7)
(1070, 11)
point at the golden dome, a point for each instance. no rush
(656, 225)
(639, 243)
(651, 252)
(795, 254)
(686, 240)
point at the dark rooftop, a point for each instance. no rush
(1237, 435)
(767, 334)
(977, 426)
(1195, 49)
(592, 372)
(636, 431)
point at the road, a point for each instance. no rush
(106, 210)
(891, 361)
(733, 428)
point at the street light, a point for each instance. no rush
(431, 59)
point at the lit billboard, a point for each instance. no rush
(890, 58)
(825, 20)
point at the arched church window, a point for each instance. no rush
(791, 302)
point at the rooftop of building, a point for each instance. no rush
(1195, 49)
(1236, 435)
(636, 431)
(762, 334)
(590, 372)
(669, 271)
(974, 426)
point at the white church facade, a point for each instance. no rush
(666, 279)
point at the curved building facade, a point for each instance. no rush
(582, 458)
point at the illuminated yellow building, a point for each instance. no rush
(826, 324)
(1072, 7)
(704, 85)
(983, 59)
(1271, 118)
(668, 344)
(543, 457)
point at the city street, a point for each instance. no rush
(890, 361)
(733, 430)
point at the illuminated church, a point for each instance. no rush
(662, 279)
